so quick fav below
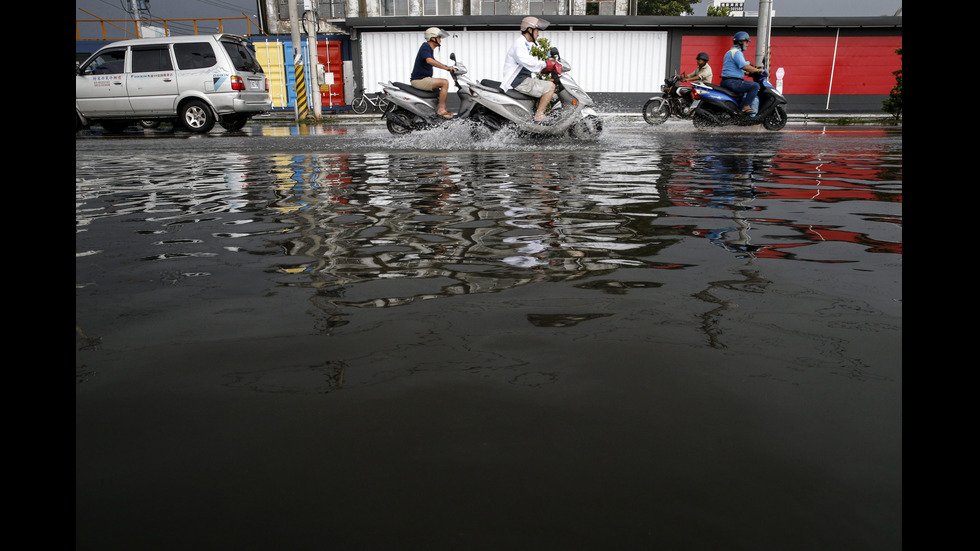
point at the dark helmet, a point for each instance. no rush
(739, 36)
(703, 56)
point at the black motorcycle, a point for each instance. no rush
(676, 100)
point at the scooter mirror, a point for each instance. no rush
(553, 52)
(452, 56)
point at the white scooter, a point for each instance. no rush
(412, 109)
(572, 111)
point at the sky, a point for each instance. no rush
(182, 9)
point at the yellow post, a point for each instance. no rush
(302, 108)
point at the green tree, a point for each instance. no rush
(665, 7)
(719, 11)
(893, 104)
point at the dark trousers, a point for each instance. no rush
(739, 86)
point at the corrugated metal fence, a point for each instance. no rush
(625, 61)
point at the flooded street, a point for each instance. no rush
(333, 338)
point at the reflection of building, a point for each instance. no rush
(391, 228)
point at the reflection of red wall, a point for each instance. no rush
(864, 64)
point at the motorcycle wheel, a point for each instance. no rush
(656, 111)
(396, 128)
(776, 120)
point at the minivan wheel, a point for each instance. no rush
(197, 117)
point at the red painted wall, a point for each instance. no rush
(864, 64)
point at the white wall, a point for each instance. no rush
(602, 61)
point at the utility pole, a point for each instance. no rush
(310, 17)
(762, 33)
(140, 10)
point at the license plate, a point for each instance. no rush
(253, 84)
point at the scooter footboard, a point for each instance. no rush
(718, 106)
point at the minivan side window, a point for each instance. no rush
(241, 57)
(151, 58)
(194, 55)
(109, 62)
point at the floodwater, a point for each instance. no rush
(337, 339)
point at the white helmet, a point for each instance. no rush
(433, 32)
(533, 23)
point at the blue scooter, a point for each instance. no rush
(718, 106)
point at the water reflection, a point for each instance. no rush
(468, 224)
(390, 228)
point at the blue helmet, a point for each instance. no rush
(741, 38)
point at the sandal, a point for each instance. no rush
(444, 114)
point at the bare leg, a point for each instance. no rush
(543, 103)
(443, 85)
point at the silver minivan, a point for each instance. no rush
(191, 81)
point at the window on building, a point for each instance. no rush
(495, 7)
(437, 7)
(325, 9)
(282, 9)
(600, 7)
(394, 7)
(331, 9)
(542, 7)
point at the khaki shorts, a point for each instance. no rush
(427, 83)
(534, 87)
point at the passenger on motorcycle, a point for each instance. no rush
(422, 71)
(519, 65)
(702, 73)
(733, 72)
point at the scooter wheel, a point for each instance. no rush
(397, 129)
(775, 120)
(394, 121)
(656, 111)
(588, 128)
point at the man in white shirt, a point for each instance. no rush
(519, 66)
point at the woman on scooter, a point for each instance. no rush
(733, 72)
(422, 71)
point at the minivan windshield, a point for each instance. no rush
(242, 57)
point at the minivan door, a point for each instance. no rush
(100, 85)
(152, 83)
